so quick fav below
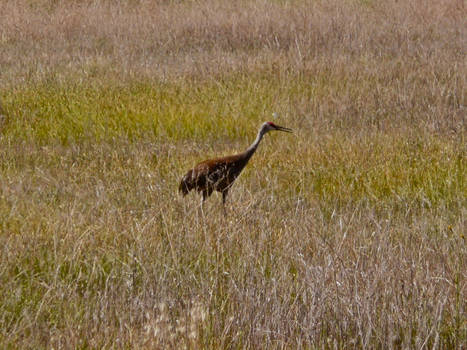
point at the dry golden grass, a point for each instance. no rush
(348, 234)
(203, 38)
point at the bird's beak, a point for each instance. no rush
(281, 128)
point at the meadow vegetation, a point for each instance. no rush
(350, 233)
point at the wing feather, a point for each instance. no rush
(207, 175)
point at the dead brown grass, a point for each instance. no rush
(161, 38)
(97, 252)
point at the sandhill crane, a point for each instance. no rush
(220, 173)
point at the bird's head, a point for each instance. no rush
(269, 126)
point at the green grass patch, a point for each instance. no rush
(71, 112)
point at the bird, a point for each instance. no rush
(219, 174)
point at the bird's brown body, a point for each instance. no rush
(214, 175)
(219, 174)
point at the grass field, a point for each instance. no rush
(349, 233)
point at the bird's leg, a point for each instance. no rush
(224, 197)
(205, 195)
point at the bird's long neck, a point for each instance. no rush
(250, 150)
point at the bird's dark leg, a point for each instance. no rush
(205, 195)
(224, 197)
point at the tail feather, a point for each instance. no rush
(183, 189)
(186, 185)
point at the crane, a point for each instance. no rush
(220, 173)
